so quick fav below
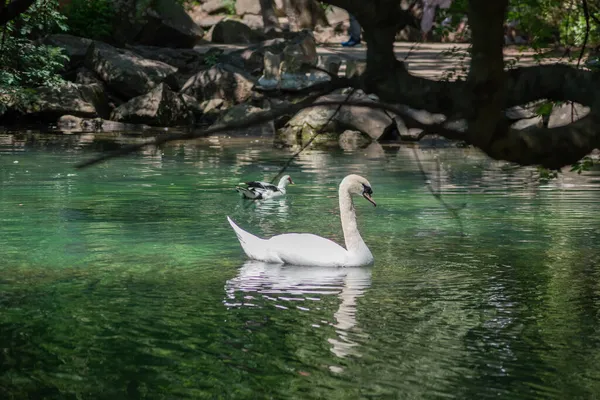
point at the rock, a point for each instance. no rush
(565, 114)
(86, 77)
(355, 68)
(211, 105)
(185, 60)
(159, 107)
(271, 76)
(353, 140)
(211, 110)
(336, 16)
(241, 112)
(209, 21)
(371, 122)
(518, 112)
(243, 7)
(87, 101)
(220, 82)
(233, 32)
(214, 6)
(71, 124)
(74, 47)
(330, 63)
(253, 21)
(251, 59)
(193, 105)
(296, 57)
(526, 123)
(168, 25)
(303, 50)
(125, 72)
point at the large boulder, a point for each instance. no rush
(185, 60)
(220, 82)
(214, 6)
(353, 140)
(241, 112)
(74, 47)
(253, 21)
(127, 73)
(243, 7)
(233, 32)
(566, 113)
(168, 25)
(159, 107)
(306, 123)
(297, 45)
(69, 124)
(202, 18)
(251, 58)
(50, 103)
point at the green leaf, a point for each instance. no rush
(545, 109)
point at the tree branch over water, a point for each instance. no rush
(266, 116)
(481, 101)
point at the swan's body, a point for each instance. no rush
(257, 190)
(309, 249)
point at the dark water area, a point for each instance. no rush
(125, 281)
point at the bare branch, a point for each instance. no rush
(312, 139)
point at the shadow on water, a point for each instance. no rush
(125, 280)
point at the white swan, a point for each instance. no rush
(309, 249)
(257, 190)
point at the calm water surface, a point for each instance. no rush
(124, 280)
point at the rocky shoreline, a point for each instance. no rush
(159, 82)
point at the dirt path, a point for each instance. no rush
(429, 60)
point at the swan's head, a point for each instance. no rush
(285, 180)
(356, 184)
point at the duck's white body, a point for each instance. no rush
(257, 190)
(309, 249)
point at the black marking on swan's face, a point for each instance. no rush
(367, 192)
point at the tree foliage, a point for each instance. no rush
(24, 63)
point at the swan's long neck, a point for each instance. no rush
(283, 182)
(354, 242)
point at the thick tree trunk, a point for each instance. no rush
(267, 9)
(304, 14)
(486, 76)
(489, 90)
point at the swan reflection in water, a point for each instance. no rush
(288, 286)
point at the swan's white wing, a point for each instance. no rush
(254, 247)
(307, 249)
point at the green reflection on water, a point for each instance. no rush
(125, 280)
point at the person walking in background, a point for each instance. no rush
(354, 32)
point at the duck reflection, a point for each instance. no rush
(265, 213)
(295, 286)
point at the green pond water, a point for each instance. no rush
(124, 280)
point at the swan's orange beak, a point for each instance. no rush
(369, 198)
(290, 181)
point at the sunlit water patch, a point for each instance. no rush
(124, 280)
